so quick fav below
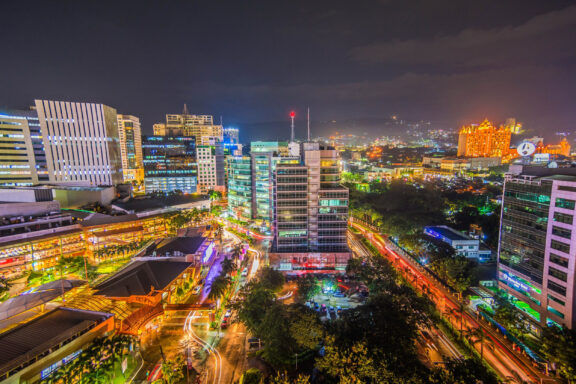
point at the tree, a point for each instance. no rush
(215, 195)
(271, 278)
(4, 285)
(219, 286)
(253, 307)
(252, 376)
(172, 370)
(228, 266)
(559, 346)
(307, 287)
(458, 371)
(283, 378)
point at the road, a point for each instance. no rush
(226, 349)
(509, 364)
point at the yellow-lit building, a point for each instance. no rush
(485, 140)
(130, 133)
(186, 124)
(41, 249)
(557, 149)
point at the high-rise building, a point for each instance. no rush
(484, 140)
(170, 163)
(231, 135)
(130, 134)
(211, 168)
(536, 260)
(239, 170)
(22, 156)
(81, 142)
(310, 211)
(280, 148)
(186, 124)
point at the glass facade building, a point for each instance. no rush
(170, 163)
(537, 249)
(240, 186)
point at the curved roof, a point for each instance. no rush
(36, 296)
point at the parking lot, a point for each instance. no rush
(330, 306)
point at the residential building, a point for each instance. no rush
(536, 260)
(22, 156)
(81, 142)
(462, 244)
(130, 135)
(279, 148)
(186, 124)
(170, 163)
(484, 140)
(310, 211)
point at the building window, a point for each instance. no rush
(566, 188)
(562, 261)
(558, 274)
(565, 203)
(563, 218)
(556, 300)
(556, 312)
(562, 247)
(557, 288)
(562, 232)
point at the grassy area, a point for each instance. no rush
(119, 377)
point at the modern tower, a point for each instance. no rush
(536, 255)
(22, 155)
(186, 124)
(130, 134)
(81, 142)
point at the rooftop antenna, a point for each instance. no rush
(185, 110)
(221, 120)
(308, 118)
(292, 116)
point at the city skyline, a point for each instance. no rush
(462, 63)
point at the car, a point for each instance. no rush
(338, 309)
(197, 290)
(316, 306)
(245, 272)
(228, 313)
(224, 323)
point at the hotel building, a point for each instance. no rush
(536, 255)
(484, 140)
(81, 142)
(22, 156)
(130, 134)
(186, 124)
(211, 168)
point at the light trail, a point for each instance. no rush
(445, 296)
(217, 374)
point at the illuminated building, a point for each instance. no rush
(462, 244)
(81, 142)
(22, 156)
(537, 243)
(557, 149)
(231, 135)
(240, 186)
(484, 140)
(211, 168)
(130, 134)
(170, 163)
(310, 212)
(186, 124)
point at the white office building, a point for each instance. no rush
(81, 142)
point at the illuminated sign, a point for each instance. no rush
(208, 253)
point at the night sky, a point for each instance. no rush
(355, 62)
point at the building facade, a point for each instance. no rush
(22, 155)
(170, 163)
(310, 211)
(536, 256)
(186, 124)
(130, 134)
(239, 170)
(81, 142)
(484, 140)
(211, 166)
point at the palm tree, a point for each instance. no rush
(228, 265)
(219, 287)
(480, 336)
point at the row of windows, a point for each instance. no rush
(562, 247)
(558, 274)
(563, 218)
(562, 232)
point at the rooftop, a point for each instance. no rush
(140, 277)
(448, 232)
(44, 332)
(143, 204)
(186, 245)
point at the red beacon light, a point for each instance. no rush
(292, 114)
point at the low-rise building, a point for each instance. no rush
(462, 244)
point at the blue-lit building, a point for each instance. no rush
(170, 163)
(463, 245)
